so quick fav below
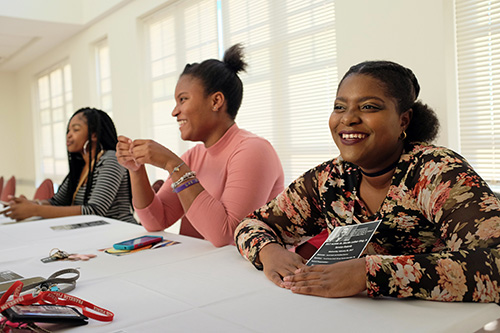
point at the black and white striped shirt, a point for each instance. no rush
(110, 193)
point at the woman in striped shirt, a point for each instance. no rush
(91, 140)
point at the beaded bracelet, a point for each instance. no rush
(186, 185)
(186, 176)
(177, 167)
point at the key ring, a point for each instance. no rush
(58, 254)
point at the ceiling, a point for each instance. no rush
(30, 28)
(23, 40)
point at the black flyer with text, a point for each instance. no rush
(344, 243)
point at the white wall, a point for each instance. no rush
(416, 33)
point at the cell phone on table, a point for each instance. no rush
(138, 242)
(47, 313)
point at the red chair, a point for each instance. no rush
(45, 190)
(9, 189)
(157, 185)
(307, 249)
(1, 186)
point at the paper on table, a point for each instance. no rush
(344, 243)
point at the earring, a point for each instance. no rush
(85, 147)
(215, 108)
(403, 136)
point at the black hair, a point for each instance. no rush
(401, 84)
(100, 124)
(216, 75)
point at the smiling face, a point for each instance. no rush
(77, 134)
(194, 110)
(365, 124)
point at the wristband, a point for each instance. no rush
(186, 176)
(185, 185)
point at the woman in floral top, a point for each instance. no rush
(440, 223)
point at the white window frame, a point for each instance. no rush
(54, 107)
(103, 76)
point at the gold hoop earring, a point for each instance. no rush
(403, 136)
(85, 145)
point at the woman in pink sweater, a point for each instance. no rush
(214, 185)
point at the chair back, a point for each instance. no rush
(157, 185)
(45, 190)
(9, 189)
(1, 186)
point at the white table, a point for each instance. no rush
(194, 286)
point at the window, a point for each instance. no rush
(54, 110)
(290, 84)
(292, 76)
(103, 76)
(185, 33)
(478, 60)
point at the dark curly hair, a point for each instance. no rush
(100, 124)
(222, 76)
(401, 84)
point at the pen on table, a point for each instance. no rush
(162, 244)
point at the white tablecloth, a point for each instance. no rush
(193, 286)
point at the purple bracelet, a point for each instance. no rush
(185, 185)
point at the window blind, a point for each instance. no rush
(291, 81)
(290, 84)
(478, 61)
(185, 32)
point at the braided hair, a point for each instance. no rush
(216, 75)
(401, 84)
(100, 125)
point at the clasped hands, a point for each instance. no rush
(288, 270)
(134, 154)
(20, 208)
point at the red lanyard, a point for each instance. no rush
(53, 297)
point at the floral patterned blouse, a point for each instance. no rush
(439, 238)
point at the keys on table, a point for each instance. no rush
(56, 254)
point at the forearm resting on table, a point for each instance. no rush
(268, 251)
(49, 211)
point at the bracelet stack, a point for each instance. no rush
(191, 176)
(186, 185)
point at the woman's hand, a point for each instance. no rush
(278, 262)
(134, 154)
(20, 208)
(124, 153)
(342, 279)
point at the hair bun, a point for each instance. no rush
(233, 58)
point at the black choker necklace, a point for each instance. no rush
(381, 172)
